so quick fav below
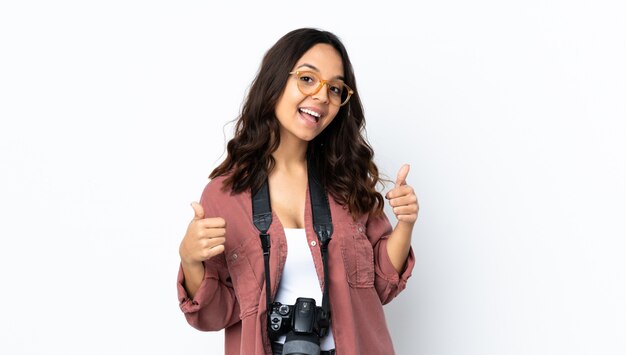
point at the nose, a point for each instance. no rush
(322, 93)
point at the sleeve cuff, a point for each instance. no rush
(187, 304)
(388, 272)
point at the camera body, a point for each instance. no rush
(303, 318)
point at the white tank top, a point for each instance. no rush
(299, 278)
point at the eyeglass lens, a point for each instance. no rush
(309, 83)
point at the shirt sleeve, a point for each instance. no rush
(214, 306)
(387, 281)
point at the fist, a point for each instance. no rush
(402, 198)
(204, 239)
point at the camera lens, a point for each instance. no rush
(301, 344)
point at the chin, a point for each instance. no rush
(307, 137)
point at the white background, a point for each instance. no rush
(511, 114)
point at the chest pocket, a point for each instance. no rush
(245, 281)
(358, 257)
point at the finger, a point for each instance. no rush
(214, 222)
(400, 191)
(405, 210)
(407, 218)
(197, 210)
(403, 200)
(212, 243)
(217, 250)
(209, 253)
(402, 174)
(208, 233)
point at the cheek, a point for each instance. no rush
(292, 97)
(334, 113)
(285, 105)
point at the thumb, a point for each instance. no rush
(197, 210)
(402, 174)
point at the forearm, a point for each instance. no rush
(399, 244)
(194, 274)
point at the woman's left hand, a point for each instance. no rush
(402, 198)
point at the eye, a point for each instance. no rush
(336, 89)
(308, 79)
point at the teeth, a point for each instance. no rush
(312, 113)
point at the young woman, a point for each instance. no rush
(302, 113)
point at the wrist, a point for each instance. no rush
(190, 264)
(405, 226)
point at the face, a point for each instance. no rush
(305, 116)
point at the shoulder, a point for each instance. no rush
(216, 187)
(218, 200)
(343, 212)
(217, 194)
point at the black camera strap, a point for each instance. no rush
(322, 224)
(262, 219)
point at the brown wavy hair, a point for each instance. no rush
(340, 154)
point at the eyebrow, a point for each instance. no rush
(317, 70)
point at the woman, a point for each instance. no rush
(303, 108)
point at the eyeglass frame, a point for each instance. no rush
(321, 84)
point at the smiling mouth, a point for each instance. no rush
(310, 115)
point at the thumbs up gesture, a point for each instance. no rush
(402, 198)
(204, 239)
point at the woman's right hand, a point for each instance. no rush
(204, 239)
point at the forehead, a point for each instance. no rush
(324, 58)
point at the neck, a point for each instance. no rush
(291, 154)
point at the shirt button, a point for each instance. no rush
(235, 256)
(360, 229)
(313, 243)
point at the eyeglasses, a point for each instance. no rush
(309, 83)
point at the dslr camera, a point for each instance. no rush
(304, 323)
